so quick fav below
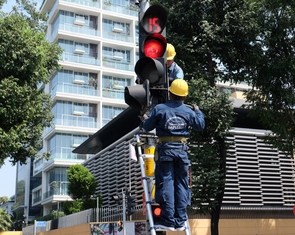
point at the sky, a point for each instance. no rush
(7, 171)
(8, 6)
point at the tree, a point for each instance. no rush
(213, 40)
(3, 200)
(27, 59)
(272, 72)
(82, 186)
(208, 149)
(5, 221)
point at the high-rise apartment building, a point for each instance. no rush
(99, 42)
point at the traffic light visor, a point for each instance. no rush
(150, 69)
(137, 96)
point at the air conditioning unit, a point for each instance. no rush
(78, 113)
(118, 87)
(79, 22)
(117, 30)
(80, 82)
(79, 51)
(117, 57)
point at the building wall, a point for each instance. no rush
(202, 227)
(257, 175)
(99, 42)
(11, 233)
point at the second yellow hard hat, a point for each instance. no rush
(179, 87)
(170, 51)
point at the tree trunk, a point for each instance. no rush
(215, 213)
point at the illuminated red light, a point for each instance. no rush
(153, 48)
(157, 211)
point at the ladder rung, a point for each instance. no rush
(148, 178)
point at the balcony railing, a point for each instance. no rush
(90, 3)
(37, 199)
(73, 120)
(126, 10)
(56, 191)
(111, 93)
(74, 89)
(117, 36)
(117, 65)
(85, 30)
(63, 153)
(84, 59)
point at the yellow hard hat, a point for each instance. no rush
(179, 87)
(170, 51)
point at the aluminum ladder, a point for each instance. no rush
(148, 182)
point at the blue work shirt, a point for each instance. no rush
(173, 118)
(174, 72)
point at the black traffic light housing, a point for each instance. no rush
(152, 63)
(156, 212)
(130, 204)
(120, 226)
(138, 97)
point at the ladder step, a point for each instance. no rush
(148, 178)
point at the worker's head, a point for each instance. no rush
(170, 54)
(178, 89)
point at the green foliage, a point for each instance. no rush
(57, 214)
(82, 184)
(26, 9)
(208, 162)
(18, 219)
(208, 180)
(272, 97)
(5, 221)
(26, 61)
(3, 200)
(71, 207)
(212, 38)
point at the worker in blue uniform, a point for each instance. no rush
(172, 121)
(174, 71)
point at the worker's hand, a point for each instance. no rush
(192, 106)
(195, 107)
(143, 117)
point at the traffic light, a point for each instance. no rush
(120, 226)
(152, 64)
(138, 96)
(156, 211)
(151, 68)
(130, 204)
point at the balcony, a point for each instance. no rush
(57, 188)
(131, 10)
(113, 93)
(78, 58)
(117, 36)
(74, 89)
(75, 120)
(37, 199)
(67, 27)
(114, 63)
(89, 3)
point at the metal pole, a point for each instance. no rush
(124, 212)
(97, 208)
(35, 227)
(144, 5)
